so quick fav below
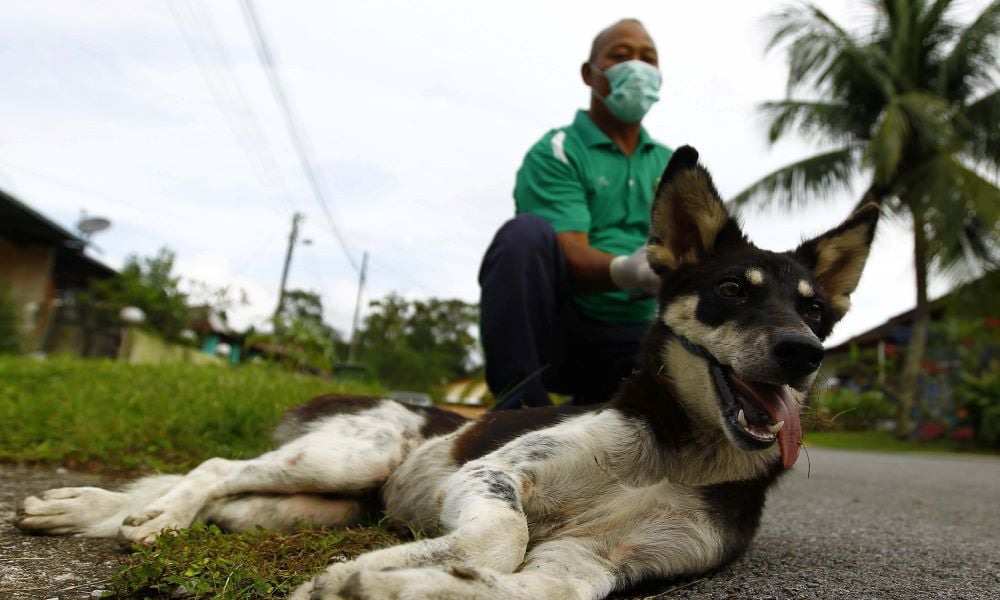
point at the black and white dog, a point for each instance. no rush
(666, 480)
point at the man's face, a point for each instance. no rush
(623, 42)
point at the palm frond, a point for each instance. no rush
(817, 41)
(982, 131)
(973, 61)
(962, 212)
(802, 182)
(827, 120)
(935, 26)
(885, 151)
(931, 118)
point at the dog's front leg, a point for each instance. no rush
(487, 527)
(567, 569)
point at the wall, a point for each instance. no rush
(141, 347)
(26, 273)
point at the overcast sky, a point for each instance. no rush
(157, 115)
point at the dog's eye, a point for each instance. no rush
(814, 310)
(731, 289)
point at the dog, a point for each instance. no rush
(666, 480)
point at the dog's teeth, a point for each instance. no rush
(742, 418)
(776, 427)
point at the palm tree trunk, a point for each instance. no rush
(909, 377)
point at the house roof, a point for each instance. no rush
(895, 330)
(24, 225)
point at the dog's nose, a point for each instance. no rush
(798, 354)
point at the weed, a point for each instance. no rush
(204, 562)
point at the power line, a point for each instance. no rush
(231, 100)
(88, 192)
(242, 102)
(291, 123)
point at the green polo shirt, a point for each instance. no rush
(577, 179)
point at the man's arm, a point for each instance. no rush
(589, 268)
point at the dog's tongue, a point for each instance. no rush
(779, 404)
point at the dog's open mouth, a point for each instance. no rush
(759, 413)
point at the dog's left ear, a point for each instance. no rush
(837, 257)
(688, 214)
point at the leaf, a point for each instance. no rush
(818, 176)
(886, 148)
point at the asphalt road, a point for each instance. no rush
(861, 525)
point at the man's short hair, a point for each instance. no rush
(599, 38)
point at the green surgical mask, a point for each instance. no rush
(634, 89)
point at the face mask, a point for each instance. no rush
(634, 86)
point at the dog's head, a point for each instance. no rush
(743, 327)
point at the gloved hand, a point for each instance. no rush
(633, 271)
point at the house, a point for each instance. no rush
(211, 326)
(41, 266)
(872, 359)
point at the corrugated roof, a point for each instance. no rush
(22, 224)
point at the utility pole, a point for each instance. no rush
(353, 350)
(292, 238)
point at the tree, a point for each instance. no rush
(301, 338)
(419, 344)
(148, 283)
(912, 105)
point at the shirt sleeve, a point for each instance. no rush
(549, 185)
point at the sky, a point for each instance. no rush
(416, 115)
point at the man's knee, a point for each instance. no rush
(525, 234)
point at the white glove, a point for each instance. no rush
(633, 271)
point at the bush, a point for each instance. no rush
(851, 411)
(989, 426)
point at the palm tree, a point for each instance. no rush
(912, 106)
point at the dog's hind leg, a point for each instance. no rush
(342, 454)
(88, 511)
(282, 512)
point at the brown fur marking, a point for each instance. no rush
(687, 217)
(495, 429)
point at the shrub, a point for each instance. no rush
(989, 426)
(853, 411)
(930, 430)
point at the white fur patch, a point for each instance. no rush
(805, 289)
(755, 277)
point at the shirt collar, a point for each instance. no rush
(592, 135)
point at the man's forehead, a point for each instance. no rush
(627, 31)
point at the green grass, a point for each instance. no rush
(883, 441)
(208, 563)
(105, 415)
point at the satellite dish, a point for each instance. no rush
(92, 225)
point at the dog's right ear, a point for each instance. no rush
(688, 214)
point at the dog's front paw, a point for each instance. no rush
(65, 511)
(326, 585)
(143, 528)
(449, 583)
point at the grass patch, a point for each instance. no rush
(884, 441)
(110, 416)
(208, 563)
(106, 415)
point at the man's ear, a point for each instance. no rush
(587, 73)
(688, 214)
(837, 257)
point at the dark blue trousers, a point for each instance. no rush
(534, 338)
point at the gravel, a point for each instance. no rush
(861, 525)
